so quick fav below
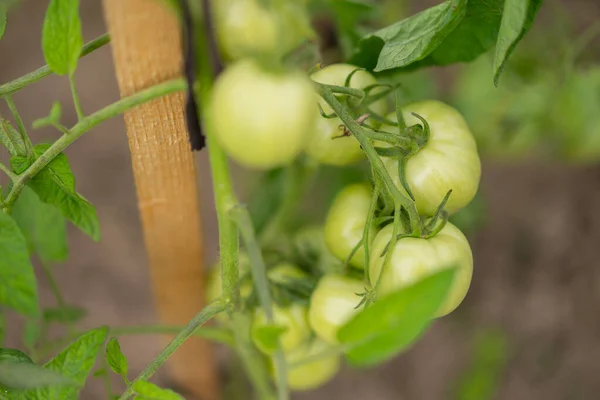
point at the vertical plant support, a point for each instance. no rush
(146, 47)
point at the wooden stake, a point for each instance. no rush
(146, 47)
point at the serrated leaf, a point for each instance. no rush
(266, 337)
(31, 333)
(517, 19)
(476, 33)
(18, 286)
(64, 315)
(43, 226)
(411, 39)
(75, 363)
(150, 391)
(29, 376)
(55, 184)
(11, 139)
(14, 356)
(394, 322)
(116, 359)
(61, 36)
(3, 11)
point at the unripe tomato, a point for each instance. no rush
(344, 150)
(294, 317)
(332, 304)
(346, 221)
(415, 258)
(314, 374)
(247, 28)
(448, 161)
(261, 118)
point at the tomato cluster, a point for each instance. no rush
(423, 157)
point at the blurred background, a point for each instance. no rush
(529, 327)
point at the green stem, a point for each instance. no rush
(203, 316)
(88, 123)
(76, 100)
(218, 335)
(40, 73)
(361, 135)
(13, 177)
(259, 274)
(20, 125)
(346, 90)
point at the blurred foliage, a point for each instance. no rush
(481, 379)
(546, 106)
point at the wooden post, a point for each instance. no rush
(146, 46)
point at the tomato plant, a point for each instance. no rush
(285, 299)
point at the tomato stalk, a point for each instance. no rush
(362, 134)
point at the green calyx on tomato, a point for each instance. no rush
(333, 303)
(413, 259)
(261, 118)
(447, 161)
(345, 223)
(326, 144)
(313, 374)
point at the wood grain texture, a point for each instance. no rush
(146, 47)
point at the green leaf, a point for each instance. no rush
(411, 39)
(61, 36)
(476, 33)
(3, 11)
(99, 373)
(14, 356)
(31, 333)
(266, 337)
(11, 139)
(517, 19)
(53, 118)
(55, 184)
(43, 226)
(29, 376)
(348, 14)
(116, 359)
(149, 391)
(75, 363)
(64, 315)
(18, 287)
(395, 321)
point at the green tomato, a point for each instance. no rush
(415, 258)
(343, 150)
(346, 221)
(333, 304)
(448, 161)
(314, 374)
(293, 318)
(247, 28)
(261, 118)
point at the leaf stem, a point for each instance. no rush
(259, 274)
(88, 123)
(13, 109)
(13, 177)
(203, 316)
(40, 73)
(76, 100)
(218, 335)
